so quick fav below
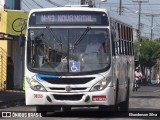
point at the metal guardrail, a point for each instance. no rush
(3, 66)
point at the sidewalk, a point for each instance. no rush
(11, 98)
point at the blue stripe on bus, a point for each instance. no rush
(41, 76)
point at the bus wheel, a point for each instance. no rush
(66, 108)
(40, 109)
(116, 97)
(125, 105)
(106, 108)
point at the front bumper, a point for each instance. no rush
(105, 97)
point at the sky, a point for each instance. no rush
(130, 11)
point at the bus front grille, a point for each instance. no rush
(67, 80)
(53, 88)
(68, 97)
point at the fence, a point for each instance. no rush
(3, 64)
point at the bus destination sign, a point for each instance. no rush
(65, 18)
(68, 18)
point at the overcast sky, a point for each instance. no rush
(130, 11)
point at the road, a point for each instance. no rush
(146, 101)
(147, 98)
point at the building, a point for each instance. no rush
(11, 24)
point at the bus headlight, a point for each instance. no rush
(100, 85)
(35, 85)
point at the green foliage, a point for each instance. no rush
(149, 52)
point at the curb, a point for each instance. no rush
(6, 104)
(14, 91)
(12, 98)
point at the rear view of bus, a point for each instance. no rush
(69, 60)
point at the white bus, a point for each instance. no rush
(62, 73)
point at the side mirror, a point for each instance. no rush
(21, 40)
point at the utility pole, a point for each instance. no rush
(120, 7)
(152, 16)
(139, 23)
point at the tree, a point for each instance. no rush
(149, 52)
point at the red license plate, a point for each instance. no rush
(99, 98)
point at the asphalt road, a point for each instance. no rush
(146, 101)
(147, 98)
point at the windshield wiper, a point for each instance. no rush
(82, 36)
(54, 36)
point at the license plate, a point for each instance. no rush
(99, 98)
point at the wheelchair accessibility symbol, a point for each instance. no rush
(74, 66)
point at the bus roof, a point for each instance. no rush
(76, 8)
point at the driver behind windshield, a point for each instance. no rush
(93, 45)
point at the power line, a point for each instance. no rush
(152, 15)
(53, 3)
(130, 4)
(26, 4)
(129, 7)
(37, 4)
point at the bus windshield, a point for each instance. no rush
(68, 50)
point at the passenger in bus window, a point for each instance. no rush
(93, 45)
(40, 38)
(105, 47)
(39, 48)
(103, 53)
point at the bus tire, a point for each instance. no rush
(124, 106)
(116, 96)
(41, 109)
